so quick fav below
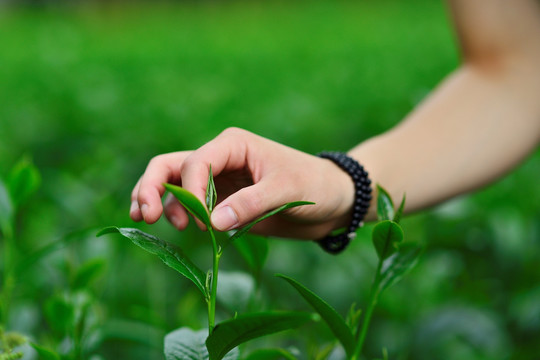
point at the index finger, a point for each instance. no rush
(161, 169)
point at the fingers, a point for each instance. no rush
(175, 213)
(135, 211)
(248, 204)
(227, 152)
(260, 175)
(146, 196)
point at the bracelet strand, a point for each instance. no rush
(336, 243)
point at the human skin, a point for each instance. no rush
(478, 124)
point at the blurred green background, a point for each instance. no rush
(92, 91)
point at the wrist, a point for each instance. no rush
(354, 204)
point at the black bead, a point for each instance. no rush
(337, 243)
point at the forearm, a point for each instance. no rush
(475, 127)
(480, 122)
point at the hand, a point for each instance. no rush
(253, 175)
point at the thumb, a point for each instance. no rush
(245, 205)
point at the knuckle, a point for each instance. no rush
(156, 160)
(234, 131)
(190, 162)
(144, 195)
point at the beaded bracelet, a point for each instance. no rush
(335, 244)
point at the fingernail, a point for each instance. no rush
(134, 207)
(144, 210)
(224, 218)
(175, 221)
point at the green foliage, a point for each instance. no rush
(169, 254)
(88, 273)
(6, 207)
(270, 354)
(187, 344)
(23, 180)
(335, 322)
(385, 205)
(397, 265)
(231, 333)
(190, 202)
(254, 250)
(387, 235)
(93, 96)
(60, 313)
(211, 195)
(44, 353)
(242, 231)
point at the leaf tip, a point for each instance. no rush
(108, 230)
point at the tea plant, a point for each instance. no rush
(66, 313)
(220, 341)
(21, 182)
(395, 257)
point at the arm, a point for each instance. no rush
(478, 124)
(481, 121)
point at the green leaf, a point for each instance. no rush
(353, 318)
(6, 209)
(231, 333)
(169, 254)
(88, 273)
(386, 236)
(190, 202)
(29, 259)
(271, 354)
(187, 344)
(242, 231)
(334, 321)
(236, 289)
(396, 266)
(399, 213)
(23, 180)
(254, 250)
(385, 206)
(60, 314)
(45, 354)
(211, 194)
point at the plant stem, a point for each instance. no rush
(373, 299)
(213, 292)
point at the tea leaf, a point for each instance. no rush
(190, 202)
(353, 318)
(26, 262)
(386, 236)
(60, 314)
(211, 194)
(385, 206)
(23, 180)
(334, 321)
(45, 354)
(236, 289)
(271, 354)
(242, 231)
(88, 273)
(396, 266)
(169, 254)
(399, 213)
(231, 333)
(187, 344)
(254, 250)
